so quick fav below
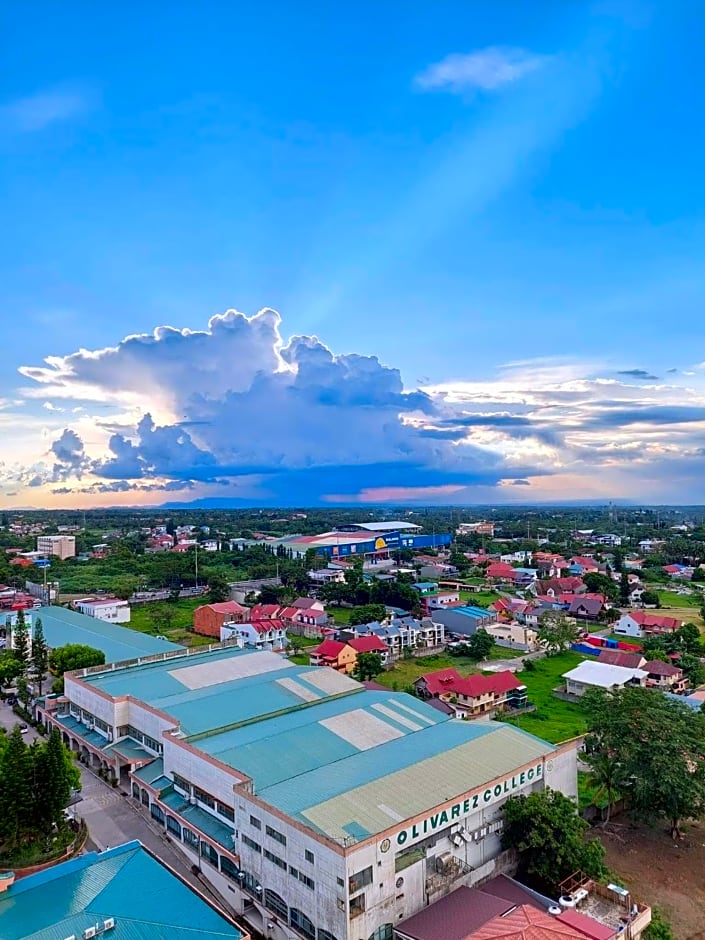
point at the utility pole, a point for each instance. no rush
(196, 562)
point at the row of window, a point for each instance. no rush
(278, 837)
(277, 905)
(132, 732)
(181, 783)
(89, 718)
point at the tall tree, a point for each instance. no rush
(39, 663)
(74, 656)
(52, 781)
(368, 666)
(218, 587)
(20, 642)
(556, 632)
(659, 744)
(15, 788)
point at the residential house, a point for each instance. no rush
(441, 600)
(651, 545)
(523, 577)
(261, 635)
(400, 633)
(330, 575)
(595, 675)
(499, 571)
(552, 587)
(514, 635)
(426, 587)
(370, 644)
(679, 572)
(581, 564)
(549, 564)
(622, 658)
(209, 618)
(473, 696)
(586, 608)
(665, 676)
(335, 654)
(306, 617)
(646, 623)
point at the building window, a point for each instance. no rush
(136, 790)
(250, 882)
(228, 868)
(145, 798)
(173, 826)
(357, 905)
(341, 883)
(360, 879)
(275, 834)
(204, 797)
(255, 823)
(310, 859)
(181, 783)
(209, 853)
(302, 923)
(255, 846)
(226, 811)
(276, 904)
(274, 858)
(385, 932)
(157, 812)
(309, 882)
(325, 934)
(189, 837)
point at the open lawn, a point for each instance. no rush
(145, 619)
(673, 599)
(686, 614)
(478, 598)
(554, 720)
(340, 614)
(406, 671)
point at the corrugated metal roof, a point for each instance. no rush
(126, 883)
(423, 784)
(63, 626)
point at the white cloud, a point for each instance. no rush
(35, 112)
(236, 405)
(485, 69)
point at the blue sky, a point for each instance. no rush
(499, 204)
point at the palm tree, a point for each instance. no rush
(605, 773)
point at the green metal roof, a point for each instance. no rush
(125, 883)
(129, 750)
(151, 772)
(62, 626)
(199, 819)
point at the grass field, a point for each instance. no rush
(407, 671)
(478, 598)
(672, 599)
(143, 620)
(554, 719)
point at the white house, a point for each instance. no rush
(594, 675)
(263, 635)
(642, 623)
(111, 609)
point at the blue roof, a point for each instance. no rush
(425, 585)
(126, 883)
(471, 611)
(62, 626)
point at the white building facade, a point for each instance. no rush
(408, 816)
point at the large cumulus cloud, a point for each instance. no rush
(236, 405)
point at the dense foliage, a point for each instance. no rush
(35, 785)
(549, 835)
(653, 749)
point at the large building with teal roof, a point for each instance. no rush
(322, 809)
(121, 894)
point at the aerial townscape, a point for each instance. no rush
(352, 479)
(430, 723)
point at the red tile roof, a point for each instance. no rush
(226, 607)
(646, 619)
(500, 569)
(368, 644)
(620, 658)
(437, 682)
(569, 585)
(656, 668)
(587, 925)
(271, 623)
(329, 648)
(264, 611)
(498, 682)
(525, 923)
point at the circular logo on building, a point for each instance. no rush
(400, 882)
(385, 845)
(549, 766)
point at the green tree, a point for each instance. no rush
(39, 663)
(10, 668)
(556, 632)
(368, 666)
(367, 614)
(74, 656)
(125, 587)
(659, 744)
(162, 617)
(53, 782)
(218, 587)
(20, 642)
(480, 644)
(650, 599)
(606, 775)
(659, 928)
(15, 788)
(598, 583)
(624, 589)
(24, 693)
(548, 833)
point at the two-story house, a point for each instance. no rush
(473, 696)
(664, 676)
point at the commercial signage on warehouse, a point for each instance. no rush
(476, 801)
